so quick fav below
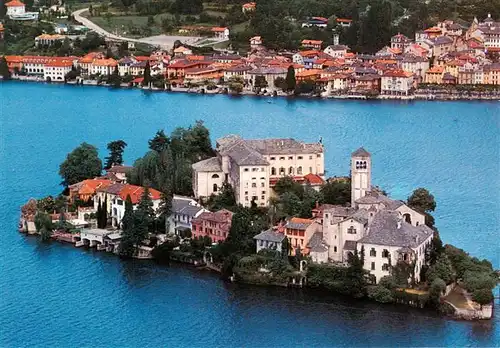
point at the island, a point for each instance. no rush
(261, 211)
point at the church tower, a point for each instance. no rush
(361, 174)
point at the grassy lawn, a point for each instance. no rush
(457, 298)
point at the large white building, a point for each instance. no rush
(252, 167)
(387, 229)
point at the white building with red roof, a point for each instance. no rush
(15, 8)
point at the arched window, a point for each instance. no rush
(407, 218)
(290, 170)
(299, 170)
(215, 176)
(282, 171)
(273, 171)
(215, 188)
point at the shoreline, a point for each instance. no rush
(245, 93)
(205, 266)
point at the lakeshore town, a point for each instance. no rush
(370, 244)
(446, 61)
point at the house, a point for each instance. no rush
(367, 83)
(237, 71)
(184, 211)
(438, 45)
(119, 172)
(391, 240)
(255, 42)
(344, 22)
(434, 75)
(214, 225)
(103, 66)
(86, 189)
(270, 74)
(182, 51)
(299, 231)
(312, 44)
(124, 65)
(449, 79)
(34, 65)
(397, 82)
(433, 32)
(318, 248)
(270, 239)
(56, 69)
(251, 167)
(200, 75)
(15, 8)
(417, 50)
(177, 68)
(320, 22)
(417, 65)
(400, 41)
(135, 192)
(248, 7)
(221, 33)
(48, 40)
(337, 82)
(491, 74)
(336, 51)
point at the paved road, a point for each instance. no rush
(164, 41)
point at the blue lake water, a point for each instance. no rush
(58, 296)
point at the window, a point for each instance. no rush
(119, 202)
(310, 157)
(246, 198)
(318, 155)
(326, 216)
(273, 158)
(262, 184)
(254, 198)
(290, 170)
(290, 157)
(335, 249)
(215, 188)
(299, 170)
(262, 169)
(273, 170)
(263, 192)
(215, 176)
(385, 267)
(282, 158)
(263, 197)
(385, 253)
(282, 171)
(373, 252)
(254, 184)
(373, 266)
(299, 157)
(351, 230)
(246, 192)
(310, 169)
(245, 170)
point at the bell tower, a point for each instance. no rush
(361, 174)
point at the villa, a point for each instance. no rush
(214, 225)
(252, 167)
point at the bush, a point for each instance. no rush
(482, 296)
(436, 289)
(387, 282)
(380, 294)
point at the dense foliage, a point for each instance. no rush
(80, 164)
(168, 163)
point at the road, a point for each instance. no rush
(164, 41)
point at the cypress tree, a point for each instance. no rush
(290, 79)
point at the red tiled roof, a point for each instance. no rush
(14, 3)
(218, 29)
(312, 42)
(136, 192)
(314, 179)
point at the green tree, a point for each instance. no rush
(4, 69)
(145, 209)
(280, 83)
(147, 74)
(287, 184)
(336, 192)
(441, 269)
(80, 164)
(127, 243)
(115, 157)
(422, 201)
(436, 290)
(159, 142)
(483, 296)
(380, 294)
(224, 200)
(43, 220)
(290, 81)
(115, 79)
(260, 82)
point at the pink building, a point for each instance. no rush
(214, 225)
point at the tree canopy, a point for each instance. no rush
(422, 201)
(115, 157)
(80, 164)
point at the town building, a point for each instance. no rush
(400, 42)
(85, 190)
(48, 40)
(117, 201)
(336, 51)
(397, 82)
(256, 42)
(252, 167)
(184, 211)
(221, 33)
(56, 69)
(15, 8)
(270, 239)
(248, 7)
(312, 44)
(344, 22)
(299, 231)
(215, 225)
(270, 74)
